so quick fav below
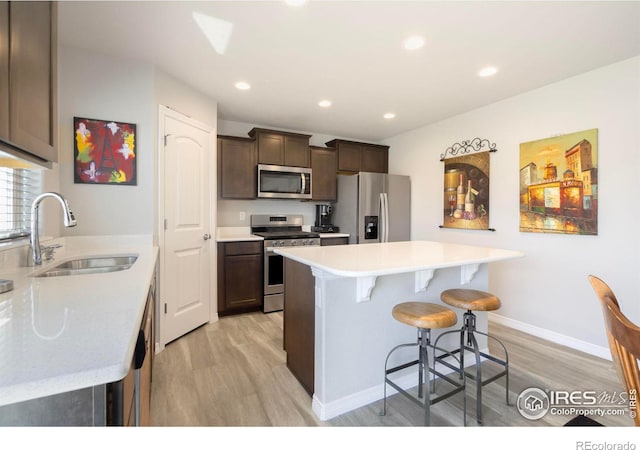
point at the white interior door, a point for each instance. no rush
(186, 248)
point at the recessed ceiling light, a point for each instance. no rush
(296, 2)
(242, 85)
(487, 72)
(324, 103)
(389, 115)
(413, 42)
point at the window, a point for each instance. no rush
(18, 187)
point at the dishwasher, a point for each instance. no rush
(127, 398)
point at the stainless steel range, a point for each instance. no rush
(279, 230)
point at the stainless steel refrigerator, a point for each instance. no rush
(374, 207)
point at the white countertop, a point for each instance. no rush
(365, 260)
(231, 234)
(60, 334)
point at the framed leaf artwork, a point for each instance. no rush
(105, 152)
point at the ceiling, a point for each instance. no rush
(350, 52)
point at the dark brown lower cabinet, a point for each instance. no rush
(240, 287)
(299, 322)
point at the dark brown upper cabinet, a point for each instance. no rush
(28, 79)
(4, 70)
(237, 167)
(282, 148)
(360, 156)
(324, 166)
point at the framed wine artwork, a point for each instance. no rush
(466, 185)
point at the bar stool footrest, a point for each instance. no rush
(459, 387)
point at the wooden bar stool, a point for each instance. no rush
(425, 317)
(472, 300)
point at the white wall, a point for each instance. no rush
(97, 86)
(102, 87)
(546, 292)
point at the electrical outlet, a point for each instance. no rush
(243, 216)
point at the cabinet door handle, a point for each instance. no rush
(207, 236)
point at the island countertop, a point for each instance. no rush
(393, 257)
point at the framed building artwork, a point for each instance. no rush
(466, 185)
(559, 184)
(105, 152)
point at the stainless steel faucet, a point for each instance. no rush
(34, 240)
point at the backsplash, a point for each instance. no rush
(237, 213)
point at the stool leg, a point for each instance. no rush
(384, 396)
(424, 356)
(476, 350)
(505, 363)
(462, 331)
(386, 370)
(421, 360)
(470, 326)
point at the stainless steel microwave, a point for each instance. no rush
(284, 182)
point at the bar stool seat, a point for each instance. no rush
(425, 317)
(473, 300)
(470, 299)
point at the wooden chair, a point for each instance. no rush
(624, 341)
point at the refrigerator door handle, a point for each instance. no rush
(386, 217)
(383, 224)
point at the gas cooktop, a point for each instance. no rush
(289, 234)
(280, 226)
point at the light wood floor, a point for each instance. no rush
(233, 373)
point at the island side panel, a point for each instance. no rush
(353, 339)
(299, 322)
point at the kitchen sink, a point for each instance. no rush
(84, 266)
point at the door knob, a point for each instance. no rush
(207, 236)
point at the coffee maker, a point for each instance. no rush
(323, 220)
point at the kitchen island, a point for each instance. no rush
(338, 326)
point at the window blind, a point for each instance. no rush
(18, 189)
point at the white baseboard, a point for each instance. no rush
(354, 401)
(567, 341)
(327, 411)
